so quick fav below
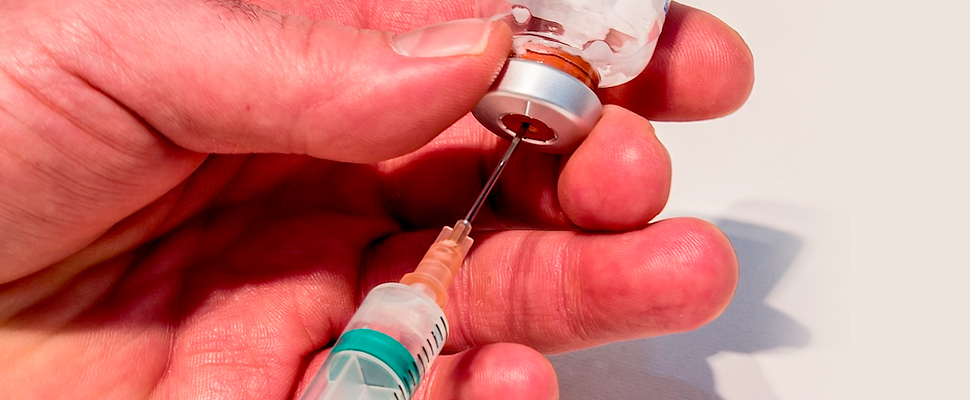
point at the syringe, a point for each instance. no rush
(398, 331)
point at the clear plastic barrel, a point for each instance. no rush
(386, 348)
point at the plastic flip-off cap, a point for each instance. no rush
(552, 110)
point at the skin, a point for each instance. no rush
(196, 195)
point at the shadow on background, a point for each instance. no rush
(676, 367)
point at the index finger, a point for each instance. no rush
(559, 291)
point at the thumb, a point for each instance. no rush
(225, 77)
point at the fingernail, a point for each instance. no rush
(453, 38)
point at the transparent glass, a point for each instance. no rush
(616, 37)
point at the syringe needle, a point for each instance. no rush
(492, 179)
(440, 264)
(379, 354)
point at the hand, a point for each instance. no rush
(148, 251)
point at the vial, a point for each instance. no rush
(562, 51)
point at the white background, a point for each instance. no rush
(842, 183)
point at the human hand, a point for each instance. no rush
(147, 253)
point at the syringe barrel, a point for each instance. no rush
(386, 348)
